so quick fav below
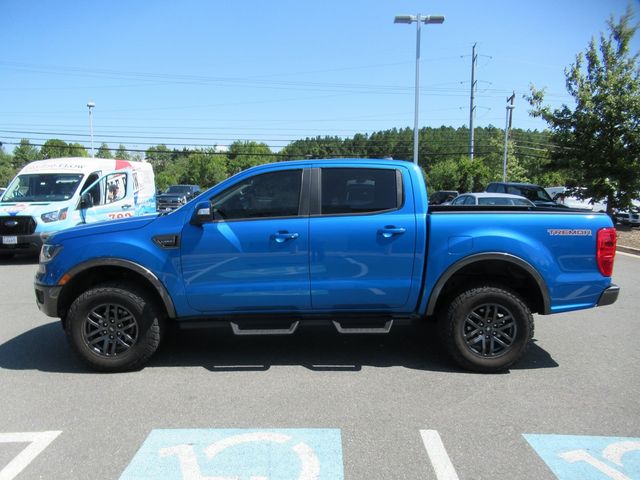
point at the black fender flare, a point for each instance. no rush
(135, 267)
(479, 257)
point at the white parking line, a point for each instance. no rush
(618, 252)
(438, 455)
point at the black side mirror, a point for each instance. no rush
(202, 214)
(86, 201)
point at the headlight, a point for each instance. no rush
(54, 216)
(49, 251)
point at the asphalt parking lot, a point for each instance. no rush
(316, 405)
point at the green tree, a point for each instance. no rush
(7, 170)
(205, 169)
(104, 152)
(24, 153)
(55, 148)
(243, 155)
(159, 156)
(77, 150)
(122, 153)
(461, 174)
(598, 141)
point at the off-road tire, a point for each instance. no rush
(114, 327)
(486, 328)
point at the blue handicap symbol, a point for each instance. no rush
(239, 454)
(577, 457)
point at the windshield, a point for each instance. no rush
(532, 193)
(42, 187)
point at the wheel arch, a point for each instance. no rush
(493, 267)
(94, 272)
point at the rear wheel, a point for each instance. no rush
(114, 327)
(486, 329)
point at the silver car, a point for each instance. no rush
(490, 198)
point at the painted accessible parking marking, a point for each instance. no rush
(229, 454)
(577, 457)
(37, 442)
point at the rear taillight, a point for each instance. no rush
(606, 250)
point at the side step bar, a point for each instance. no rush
(383, 329)
(281, 326)
(264, 331)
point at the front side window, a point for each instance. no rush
(275, 194)
(460, 200)
(359, 190)
(116, 187)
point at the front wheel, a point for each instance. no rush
(114, 327)
(486, 329)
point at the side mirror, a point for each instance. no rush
(86, 201)
(202, 214)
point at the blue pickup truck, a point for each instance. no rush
(349, 242)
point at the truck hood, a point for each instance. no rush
(109, 226)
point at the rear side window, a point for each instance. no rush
(360, 190)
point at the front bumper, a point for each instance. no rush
(47, 298)
(29, 244)
(609, 296)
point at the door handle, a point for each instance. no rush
(282, 237)
(124, 207)
(391, 231)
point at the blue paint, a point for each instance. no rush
(270, 453)
(551, 447)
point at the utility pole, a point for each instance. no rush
(472, 107)
(507, 127)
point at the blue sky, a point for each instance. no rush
(201, 72)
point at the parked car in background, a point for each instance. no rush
(560, 195)
(535, 193)
(484, 198)
(175, 196)
(628, 218)
(442, 196)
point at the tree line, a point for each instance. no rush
(443, 156)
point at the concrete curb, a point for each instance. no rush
(631, 250)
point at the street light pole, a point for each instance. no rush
(418, 19)
(90, 105)
(416, 131)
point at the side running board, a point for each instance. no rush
(264, 331)
(382, 329)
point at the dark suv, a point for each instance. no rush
(175, 196)
(535, 193)
(442, 196)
